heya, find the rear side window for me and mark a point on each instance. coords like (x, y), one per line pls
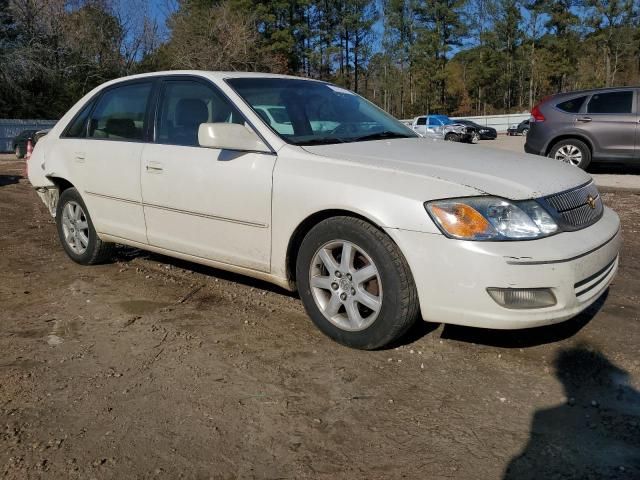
(78, 126)
(120, 113)
(185, 105)
(421, 121)
(572, 106)
(611, 102)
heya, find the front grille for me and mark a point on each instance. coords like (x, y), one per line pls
(577, 208)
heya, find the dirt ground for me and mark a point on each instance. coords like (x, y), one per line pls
(149, 367)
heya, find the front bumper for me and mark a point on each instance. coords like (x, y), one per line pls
(452, 275)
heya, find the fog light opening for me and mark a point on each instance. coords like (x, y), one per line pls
(523, 298)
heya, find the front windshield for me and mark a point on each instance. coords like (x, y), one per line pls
(446, 120)
(307, 112)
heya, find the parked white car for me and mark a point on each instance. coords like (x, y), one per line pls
(373, 225)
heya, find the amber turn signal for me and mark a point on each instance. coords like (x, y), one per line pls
(461, 221)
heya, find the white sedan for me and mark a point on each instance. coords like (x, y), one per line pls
(374, 226)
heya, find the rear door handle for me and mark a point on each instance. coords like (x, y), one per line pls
(154, 167)
(584, 119)
(79, 156)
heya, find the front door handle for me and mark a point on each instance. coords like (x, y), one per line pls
(79, 156)
(584, 119)
(154, 167)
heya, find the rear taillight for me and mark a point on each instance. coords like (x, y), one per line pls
(536, 114)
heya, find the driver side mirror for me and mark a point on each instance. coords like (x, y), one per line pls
(230, 136)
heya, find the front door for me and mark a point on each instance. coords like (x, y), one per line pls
(209, 203)
(612, 123)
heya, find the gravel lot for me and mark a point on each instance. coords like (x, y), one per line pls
(149, 367)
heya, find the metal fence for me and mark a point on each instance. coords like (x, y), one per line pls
(10, 128)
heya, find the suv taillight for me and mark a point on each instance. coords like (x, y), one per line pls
(536, 114)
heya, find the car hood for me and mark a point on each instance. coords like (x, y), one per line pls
(496, 172)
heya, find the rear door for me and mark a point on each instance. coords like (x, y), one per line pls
(105, 155)
(611, 121)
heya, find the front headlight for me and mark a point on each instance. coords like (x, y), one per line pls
(491, 218)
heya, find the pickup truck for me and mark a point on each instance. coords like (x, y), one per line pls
(441, 126)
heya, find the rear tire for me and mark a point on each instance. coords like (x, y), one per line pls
(571, 151)
(77, 234)
(366, 301)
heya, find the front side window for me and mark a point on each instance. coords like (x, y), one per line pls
(120, 113)
(305, 112)
(186, 104)
(611, 102)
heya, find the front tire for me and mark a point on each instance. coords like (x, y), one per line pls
(77, 234)
(355, 284)
(572, 151)
(452, 137)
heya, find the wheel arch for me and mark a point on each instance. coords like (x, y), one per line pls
(295, 240)
(569, 136)
(61, 183)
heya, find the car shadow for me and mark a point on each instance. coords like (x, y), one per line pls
(528, 337)
(9, 180)
(126, 254)
(614, 169)
(595, 433)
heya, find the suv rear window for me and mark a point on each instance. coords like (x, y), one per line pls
(611, 102)
(571, 106)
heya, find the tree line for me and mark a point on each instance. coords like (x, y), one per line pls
(462, 57)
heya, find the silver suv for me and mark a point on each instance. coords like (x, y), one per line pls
(591, 125)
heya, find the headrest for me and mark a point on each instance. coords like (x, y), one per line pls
(191, 112)
(121, 127)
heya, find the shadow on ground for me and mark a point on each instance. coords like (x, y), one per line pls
(127, 254)
(528, 337)
(614, 169)
(9, 179)
(595, 434)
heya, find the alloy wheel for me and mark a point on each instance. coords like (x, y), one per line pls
(346, 285)
(569, 154)
(75, 227)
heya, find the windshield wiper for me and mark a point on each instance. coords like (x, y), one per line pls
(320, 141)
(379, 136)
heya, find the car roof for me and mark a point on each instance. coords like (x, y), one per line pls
(590, 91)
(213, 75)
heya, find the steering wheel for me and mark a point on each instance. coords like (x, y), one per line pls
(348, 128)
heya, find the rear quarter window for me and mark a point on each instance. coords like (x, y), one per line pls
(572, 106)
